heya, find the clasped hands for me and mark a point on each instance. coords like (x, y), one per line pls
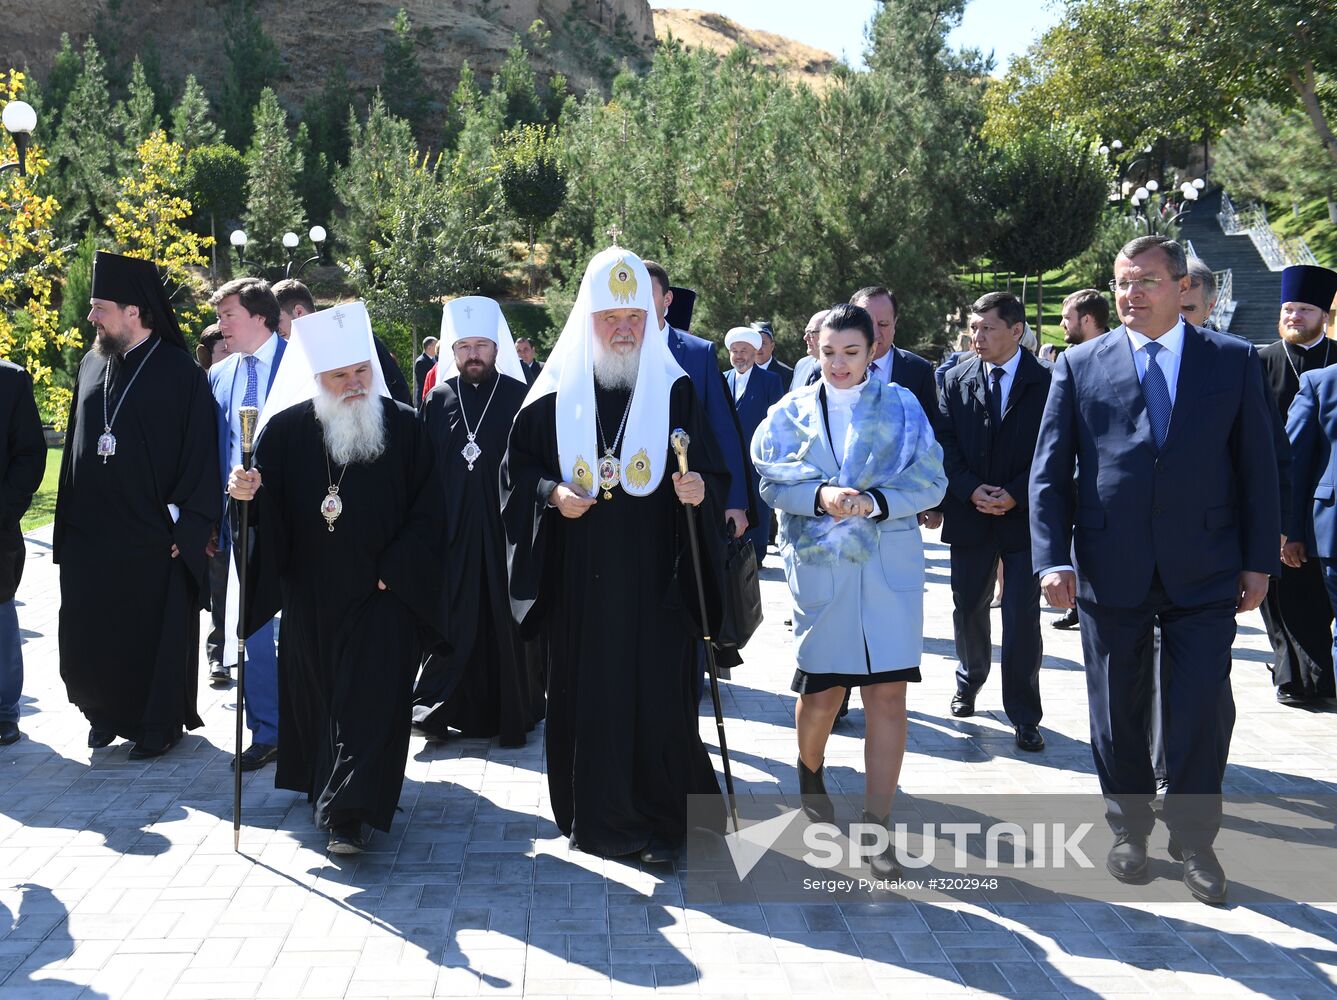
(572, 501)
(992, 499)
(844, 501)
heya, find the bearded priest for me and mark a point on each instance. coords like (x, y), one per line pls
(596, 524)
(348, 547)
(488, 684)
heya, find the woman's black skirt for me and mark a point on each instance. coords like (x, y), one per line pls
(806, 683)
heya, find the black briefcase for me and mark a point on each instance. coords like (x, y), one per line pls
(742, 595)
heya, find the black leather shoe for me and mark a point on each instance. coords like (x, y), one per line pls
(99, 738)
(1285, 697)
(1029, 738)
(963, 705)
(147, 749)
(9, 733)
(219, 675)
(257, 755)
(883, 864)
(817, 805)
(349, 838)
(1204, 876)
(1127, 859)
(1068, 621)
(658, 853)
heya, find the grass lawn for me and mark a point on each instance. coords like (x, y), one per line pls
(1312, 223)
(43, 509)
(1057, 285)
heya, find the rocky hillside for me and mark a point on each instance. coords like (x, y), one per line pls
(716, 32)
(590, 38)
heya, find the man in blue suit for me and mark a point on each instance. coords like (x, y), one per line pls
(1168, 430)
(754, 391)
(248, 316)
(1307, 294)
(697, 359)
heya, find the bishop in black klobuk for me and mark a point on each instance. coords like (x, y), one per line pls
(139, 495)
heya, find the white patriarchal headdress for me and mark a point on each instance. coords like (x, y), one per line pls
(614, 279)
(320, 342)
(477, 316)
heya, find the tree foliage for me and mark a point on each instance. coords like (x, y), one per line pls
(403, 86)
(1273, 155)
(273, 168)
(252, 66)
(85, 149)
(32, 261)
(192, 124)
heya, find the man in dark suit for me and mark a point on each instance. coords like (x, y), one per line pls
(421, 366)
(248, 316)
(754, 391)
(989, 419)
(22, 464)
(525, 348)
(698, 360)
(1297, 612)
(1176, 519)
(766, 359)
(891, 364)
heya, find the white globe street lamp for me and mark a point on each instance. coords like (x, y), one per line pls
(19, 120)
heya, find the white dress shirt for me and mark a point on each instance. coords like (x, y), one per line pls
(880, 369)
(740, 382)
(264, 366)
(1004, 386)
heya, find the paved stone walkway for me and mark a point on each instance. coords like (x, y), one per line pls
(118, 879)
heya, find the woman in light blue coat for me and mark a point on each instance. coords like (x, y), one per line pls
(849, 463)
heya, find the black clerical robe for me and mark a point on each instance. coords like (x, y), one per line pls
(129, 611)
(487, 684)
(348, 651)
(1296, 611)
(615, 598)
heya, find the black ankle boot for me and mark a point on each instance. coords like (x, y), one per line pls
(817, 805)
(883, 864)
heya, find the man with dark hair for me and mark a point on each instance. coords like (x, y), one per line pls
(1168, 430)
(139, 498)
(1198, 302)
(425, 362)
(766, 359)
(891, 364)
(295, 300)
(248, 315)
(1085, 316)
(989, 418)
(1297, 612)
(697, 358)
(22, 464)
(524, 347)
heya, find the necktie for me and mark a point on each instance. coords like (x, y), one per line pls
(252, 396)
(875, 373)
(996, 397)
(1157, 395)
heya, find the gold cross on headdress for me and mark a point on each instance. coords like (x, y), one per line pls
(614, 233)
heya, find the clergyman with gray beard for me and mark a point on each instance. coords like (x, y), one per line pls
(348, 546)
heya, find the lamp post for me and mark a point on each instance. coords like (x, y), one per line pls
(238, 241)
(317, 235)
(19, 120)
(1159, 212)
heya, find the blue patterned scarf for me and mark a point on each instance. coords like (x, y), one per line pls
(890, 444)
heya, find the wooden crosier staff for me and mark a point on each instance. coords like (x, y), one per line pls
(248, 416)
(680, 440)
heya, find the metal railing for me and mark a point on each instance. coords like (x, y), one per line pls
(1224, 307)
(1277, 253)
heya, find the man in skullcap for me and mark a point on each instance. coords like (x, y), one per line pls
(139, 497)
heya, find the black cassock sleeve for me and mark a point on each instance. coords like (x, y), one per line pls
(267, 558)
(195, 489)
(703, 456)
(527, 479)
(410, 564)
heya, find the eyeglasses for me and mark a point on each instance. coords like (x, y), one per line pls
(1126, 286)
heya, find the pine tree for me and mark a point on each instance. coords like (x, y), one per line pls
(253, 64)
(515, 88)
(465, 99)
(325, 116)
(314, 183)
(272, 169)
(85, 151)
(192, 126)
(403, 87)
(60, 82)
(381, 152)
(141, 116)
